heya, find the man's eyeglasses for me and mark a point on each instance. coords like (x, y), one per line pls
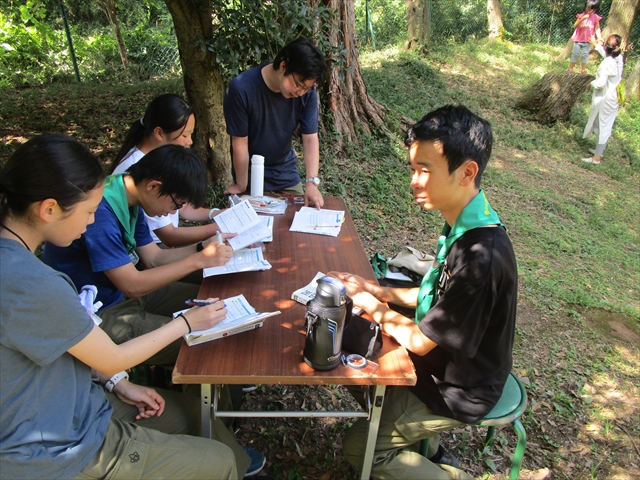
(177, 205)
(301, 86)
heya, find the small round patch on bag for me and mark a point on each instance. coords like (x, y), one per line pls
(356, 361)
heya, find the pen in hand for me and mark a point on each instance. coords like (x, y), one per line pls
(220, 239)
(199, 303)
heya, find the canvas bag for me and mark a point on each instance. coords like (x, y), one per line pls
(412, 259)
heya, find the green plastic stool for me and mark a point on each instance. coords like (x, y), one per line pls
(509, 409)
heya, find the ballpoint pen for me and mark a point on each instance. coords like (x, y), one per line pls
(199, 303)
(220, 239)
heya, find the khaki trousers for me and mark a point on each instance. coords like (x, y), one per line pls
(134, 317)
(404, 422)
(165, 447)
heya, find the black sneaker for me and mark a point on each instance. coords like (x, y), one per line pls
(445, 458)
(248, 388)
(257, 461)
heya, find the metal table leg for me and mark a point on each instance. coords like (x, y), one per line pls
(372, 435)
(205, 410)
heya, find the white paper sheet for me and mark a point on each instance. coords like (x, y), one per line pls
(243, 220)
(245, 260)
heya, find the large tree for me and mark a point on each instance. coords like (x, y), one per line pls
(620, 19)
(345, 93)
(193, 22)
(419, 23)
(494, 12)
(633, 83)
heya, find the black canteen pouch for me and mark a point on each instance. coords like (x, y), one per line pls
(362, 336)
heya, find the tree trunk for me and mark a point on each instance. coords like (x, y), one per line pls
(204, 85)
(494, 12)
(566, 52)
(553, 96)
(633, 83)
(419, 30)
(109, 8)
(344, 91)
(620, 19)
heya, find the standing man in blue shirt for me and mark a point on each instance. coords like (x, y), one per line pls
(263, 107)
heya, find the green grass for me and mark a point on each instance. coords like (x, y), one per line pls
(575, 228)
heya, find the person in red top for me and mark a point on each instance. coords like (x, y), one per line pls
(586, 27)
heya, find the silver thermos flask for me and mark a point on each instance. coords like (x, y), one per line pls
(325, 319)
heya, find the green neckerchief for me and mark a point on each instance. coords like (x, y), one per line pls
(116, 195)
(478, 213)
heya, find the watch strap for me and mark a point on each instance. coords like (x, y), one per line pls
(113, 381)
(314, 180)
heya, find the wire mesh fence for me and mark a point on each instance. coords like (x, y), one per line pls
(154, 61)
(525, 21)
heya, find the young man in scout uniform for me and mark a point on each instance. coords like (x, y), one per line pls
(461, 338)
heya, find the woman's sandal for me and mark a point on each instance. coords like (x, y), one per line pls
(590, 160)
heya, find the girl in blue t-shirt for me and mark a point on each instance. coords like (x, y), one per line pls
(57, 422)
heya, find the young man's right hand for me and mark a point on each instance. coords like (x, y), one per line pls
(215, 254)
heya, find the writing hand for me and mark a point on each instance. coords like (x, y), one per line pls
(202, 318)
(215, 254)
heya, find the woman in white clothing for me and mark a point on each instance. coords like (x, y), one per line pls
(604, 103)
(168, 119)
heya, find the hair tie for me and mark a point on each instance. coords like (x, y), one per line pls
(142, 121)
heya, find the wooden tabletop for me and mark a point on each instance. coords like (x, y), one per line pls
(273, 354)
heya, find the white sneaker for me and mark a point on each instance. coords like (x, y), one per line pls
(590, 160)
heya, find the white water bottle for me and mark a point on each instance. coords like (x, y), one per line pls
(257, 176)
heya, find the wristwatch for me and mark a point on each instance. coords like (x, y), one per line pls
(314, 180)
(113, 381)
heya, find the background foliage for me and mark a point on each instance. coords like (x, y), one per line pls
(250, 32)
(247, 32)
(525, 21)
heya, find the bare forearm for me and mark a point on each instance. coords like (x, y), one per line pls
(403, 329)
(188, 212)
(149, 280)
(181, 236)
(311, 153)
(100, 353)
(241, 161)
(404, 297)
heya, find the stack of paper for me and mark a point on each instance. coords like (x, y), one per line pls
(321, 222)
(245, 260)
(240, 317)
(268, 221)
(268, 205)
(243, 220)
(305, 294)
